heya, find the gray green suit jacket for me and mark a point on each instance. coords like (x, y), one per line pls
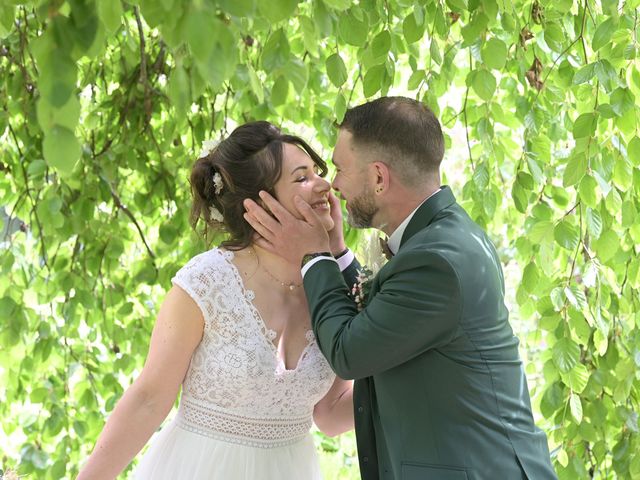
(440, 391)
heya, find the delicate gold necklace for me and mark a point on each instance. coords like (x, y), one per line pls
(291, 285)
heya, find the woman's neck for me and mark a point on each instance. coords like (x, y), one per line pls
(276, 266)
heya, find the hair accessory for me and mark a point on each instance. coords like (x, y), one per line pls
(208, 146)
(217, 183)
(215, 215)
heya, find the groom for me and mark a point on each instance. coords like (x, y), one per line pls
(440, 392)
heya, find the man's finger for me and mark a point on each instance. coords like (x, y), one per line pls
(263, 243)
(258, 226)
(281, 213)
(261, 215)
(306, 211)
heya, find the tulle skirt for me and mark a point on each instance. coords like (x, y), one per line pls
(176, 453)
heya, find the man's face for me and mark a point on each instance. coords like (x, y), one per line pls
(352, 182)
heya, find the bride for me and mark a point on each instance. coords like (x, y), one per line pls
(235, 332)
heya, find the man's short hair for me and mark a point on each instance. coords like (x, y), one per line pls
(403, 132)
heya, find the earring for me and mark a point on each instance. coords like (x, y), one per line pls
(378, 190)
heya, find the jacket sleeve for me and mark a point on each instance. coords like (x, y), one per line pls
(350, 274)
(417, 307)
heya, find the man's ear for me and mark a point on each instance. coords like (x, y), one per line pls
(381, 177)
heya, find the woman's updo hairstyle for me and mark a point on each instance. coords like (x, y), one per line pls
(247, 161)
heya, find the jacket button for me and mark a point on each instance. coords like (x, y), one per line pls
(365, 459)
(360, 409)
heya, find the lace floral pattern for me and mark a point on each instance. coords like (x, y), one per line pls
(236, 386)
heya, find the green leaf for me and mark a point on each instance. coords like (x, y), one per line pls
(276, 51)
(256, 85)
(603, 34)
(576, 407)
(411, 30)
(168, 233)
(336, 70)
(607, 245)
(594, 223)
(415, 79)
(353, 31)
(622, 100)
(339, 5)
(110, 14)
(434, 51)
(576, 169)
(566, 235)
(588, 191)
(606, 74)
(61, 149)
(473, 30)
(530, 277)
(36, 168)
(381, 45)
(458, 6)
(198, 34)
(241, 8)
(585, 125)
(526, 180)
(554, 36)
(340, 108)
(585, 74)
(277, 10)
(576, 379)
(566, 354)
(601, 342)
(373, 80)
(484, 84)
(297, 74)
(178, 90)
(279, 91)
(6, 20)
(494, 53)
(622, 174)
(520, 197)
(633, 150)
(562, 457)
(66, 116)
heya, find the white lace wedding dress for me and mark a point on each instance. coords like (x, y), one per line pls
(242, 414)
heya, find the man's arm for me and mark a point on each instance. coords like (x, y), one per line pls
(417, 308)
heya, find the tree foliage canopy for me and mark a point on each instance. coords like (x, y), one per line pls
(105, 105)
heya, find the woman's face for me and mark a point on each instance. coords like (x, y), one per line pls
(300, 177)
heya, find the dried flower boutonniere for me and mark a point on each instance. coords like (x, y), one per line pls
(361, 289)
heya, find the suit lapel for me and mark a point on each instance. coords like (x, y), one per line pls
(427, 212)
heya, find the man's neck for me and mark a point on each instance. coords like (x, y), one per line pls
(400, 205)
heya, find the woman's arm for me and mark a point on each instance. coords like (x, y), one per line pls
(333, 414)
(147, 402)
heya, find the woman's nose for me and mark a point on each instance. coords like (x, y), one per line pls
(322, 185)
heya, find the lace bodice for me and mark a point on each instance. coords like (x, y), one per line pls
(237, 388)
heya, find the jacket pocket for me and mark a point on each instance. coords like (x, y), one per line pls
(420, 471)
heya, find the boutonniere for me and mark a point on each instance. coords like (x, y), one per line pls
(362, 287)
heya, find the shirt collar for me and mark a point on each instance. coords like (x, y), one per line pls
(396, 237)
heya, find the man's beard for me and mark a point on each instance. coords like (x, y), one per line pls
(362, 209)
